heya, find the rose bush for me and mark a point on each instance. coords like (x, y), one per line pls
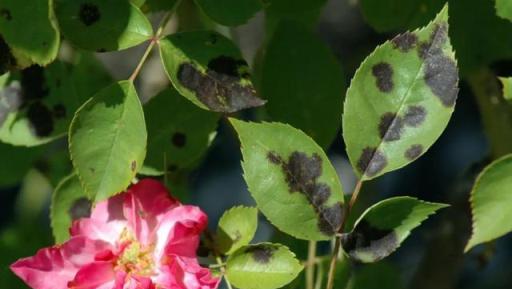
(140, 239)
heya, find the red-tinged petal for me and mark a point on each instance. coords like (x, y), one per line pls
(139, 282)
(145, 204)
(185, 273)
(98, 230)
(110, 210)
(54, 267)
(97, 275)
(181, 226)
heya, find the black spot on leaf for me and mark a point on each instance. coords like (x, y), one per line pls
(89, 14)
(7, 60)
(368, 239)
(6, 14)
(172, 168)
(228, 66)
(405, 42)
(218, 91)
(40, 118)
(179, 139)
(384, 76)
(390, 126)
(301, 174)
(81, 208)
(33, 82)
(414, 115)
(371, 162)
(414, 152)
(59, 111)
(261, 253)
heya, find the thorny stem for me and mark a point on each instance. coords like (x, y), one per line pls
(337, 245)
(310, 269)
(154, 40)
(223, 270)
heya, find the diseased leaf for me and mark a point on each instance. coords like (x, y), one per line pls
(290, 177)
(236, 229)
(230, 12)
(303, 84)
(262, 266)
(384, 226)
(507, 87)
(208, 69)
(107, 140)
(69, 203)
(28, 33)
(100, 25)
(37, 104)
(179, 133)
(504, 9)
(491, 202)
(400, 100)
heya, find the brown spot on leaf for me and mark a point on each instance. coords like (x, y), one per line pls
(414, 152)
(40, 118)
(133, 166)
(371, 162)
(33, 82)
(6, 14)
(179, 139)
(384, 76)
(390, 126)
(405, 42)
(368, 239)
(218, 91)
(414, 115)
(81, 208)
(261, 253)
(301, 174)
(89, 14)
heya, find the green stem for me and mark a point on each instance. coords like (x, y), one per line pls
(337, 244)
(310, 269)
(223, 270)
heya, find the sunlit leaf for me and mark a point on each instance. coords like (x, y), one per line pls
(28, 33)
(69, 203)
(101, 25)
(107, 140)
(179, 133)
(491, 202)
(208, 69)
(230, 12)
(262, 266)
(507, 87)
(303, 84)
(504, 9)
(290, 177)
(236, 229)
(400, 100)
(384, 226)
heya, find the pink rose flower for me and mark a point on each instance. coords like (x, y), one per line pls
(140, 239)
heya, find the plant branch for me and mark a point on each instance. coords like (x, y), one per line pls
(310, 270)
(337, 244)
(223, 270)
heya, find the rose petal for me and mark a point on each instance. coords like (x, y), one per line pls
(54, 267)
(185, 273)
(145, 204)
(98, 230)
(94, 276)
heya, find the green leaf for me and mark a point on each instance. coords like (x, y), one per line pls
(208, 69)
(491, 202)
(400, 100)
(17, 162)
(69, 203)
(384, 226)
(304, 11)
(28, 33)
(179, 133)
(303, 83)
(101, 25)
(107, 140)
(382, 275)
(504, 9)
(262, 266)
(290, 177)
(236, 229)
(507, 87)
(230, 12)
